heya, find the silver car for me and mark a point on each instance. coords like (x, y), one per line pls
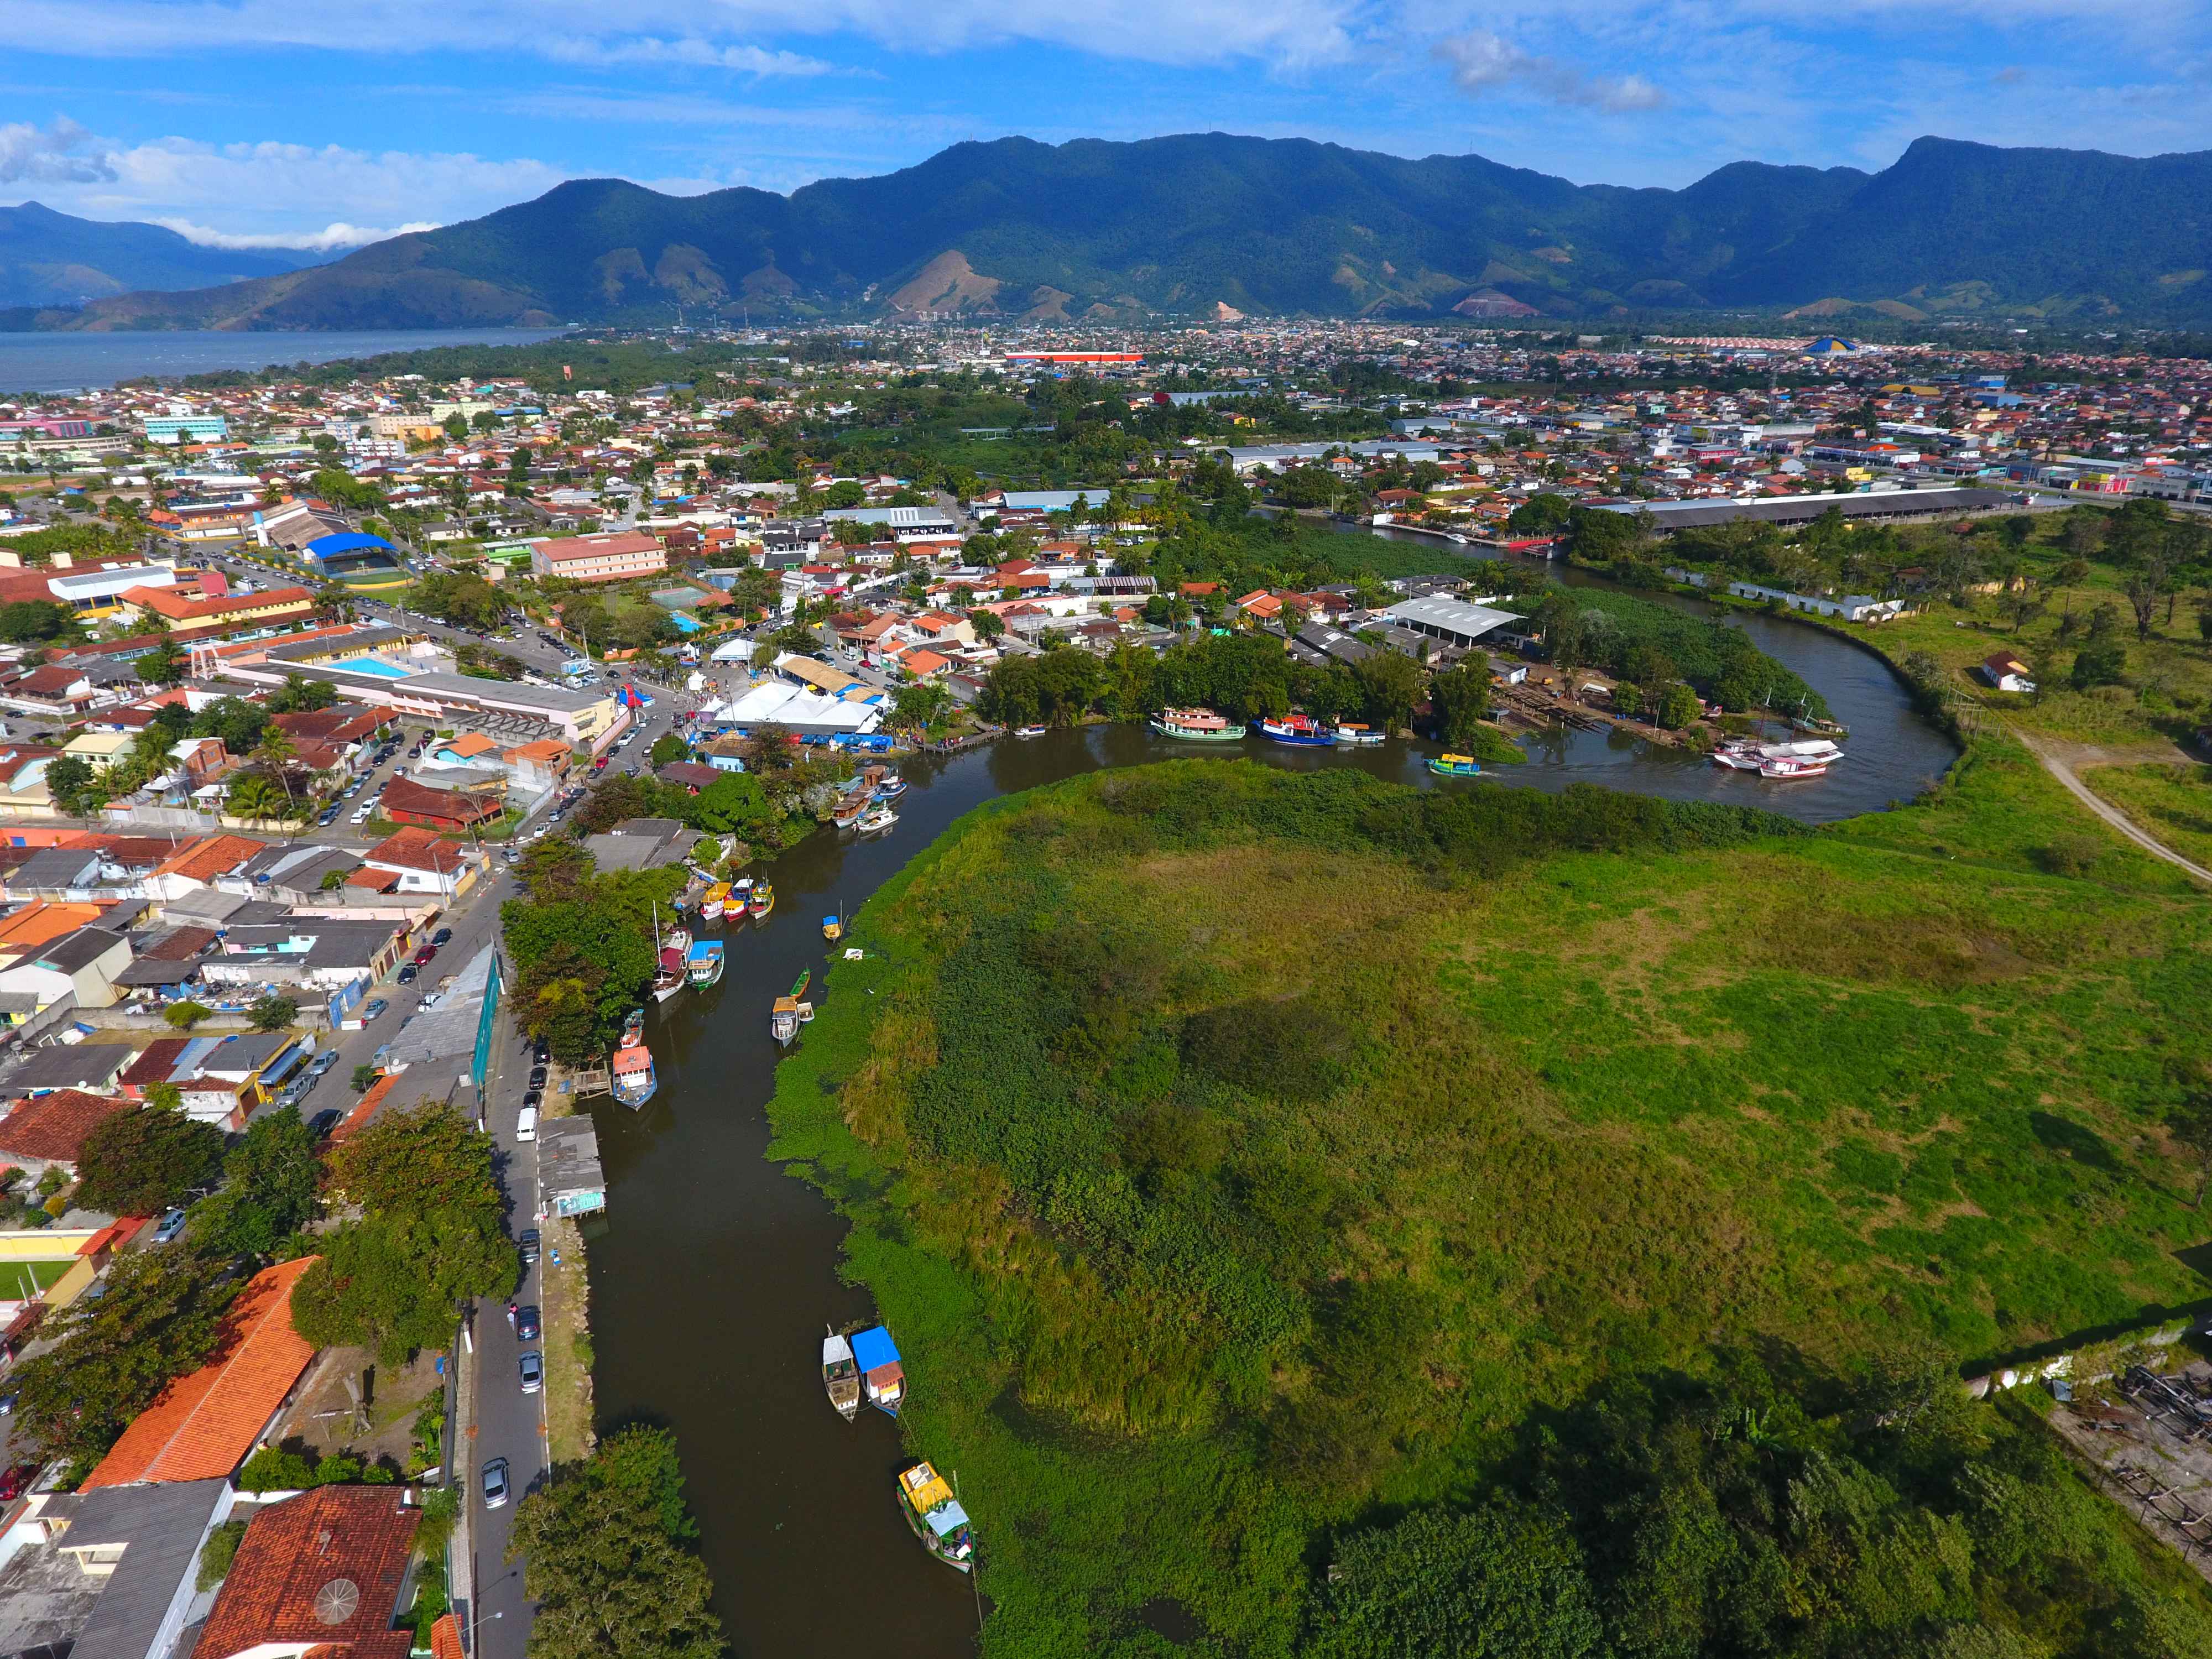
(494, 1483)
(533, 1371)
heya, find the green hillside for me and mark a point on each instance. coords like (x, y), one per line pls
(1183, 225)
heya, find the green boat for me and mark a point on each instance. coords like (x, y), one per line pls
(1195, 725)
(1455, 766)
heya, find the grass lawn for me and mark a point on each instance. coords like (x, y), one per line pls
(1233, 1165)
(16, 1277)
(2172, 802)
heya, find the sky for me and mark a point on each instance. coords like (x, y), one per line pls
(326, 124)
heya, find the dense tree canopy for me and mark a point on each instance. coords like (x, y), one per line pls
(270, 1180)
(142, 1161)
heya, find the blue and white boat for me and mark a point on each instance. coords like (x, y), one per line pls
(703, 963)
(883, 1382)
(1299, 730)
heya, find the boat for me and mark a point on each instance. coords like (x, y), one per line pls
(933, 1513)
(1196, 726)
(761, 901)
(890, 786)
(783, 1019)
(1455, 766)
(1300, 730)
(1029, 730)
(883, 1381)
(679, 939)
(1806, 758)
(668, 977)
(703, 963)
(833, 928)
(841, 1377)
(1786, 766)
(716, 900)
(634, 1079)
(633, 1031)
(1352, 734)
(876, 818)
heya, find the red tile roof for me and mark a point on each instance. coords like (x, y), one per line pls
(52, 1127)
(321, 1572)
(215, 855)
(157, 1062)
(416, 848)
(202, 1425)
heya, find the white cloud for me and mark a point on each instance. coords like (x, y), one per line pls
(722, 33)
(62, 153)
(328, 239)
(1483, 64)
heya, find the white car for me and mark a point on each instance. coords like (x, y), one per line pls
(526, 1124)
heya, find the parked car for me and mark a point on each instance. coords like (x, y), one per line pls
(407, 973)
(526, 1124)
(443, 936)
(537, 1077)
(327, 817)
(373, 1009)
(360, 814)
(425, 956)
(526, 1323)
(172, 1227)
(494, 1483)
(541, 1052)
(528, 1244)
(323, 1121)
(17, 1480)
(322, 1063)
(533, 1371)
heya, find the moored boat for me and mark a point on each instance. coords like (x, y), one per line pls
(783, 1019)
(1196, 726)
(679, 939)
(883, 1379)
(760, 902)
(1352, 734)
(876, 818)
(890, 786)
(934, 1516)
(633, 1078)
(1789, 766)
(1029, 730)
(833, 928)
(711, 906)
(668, 978)
(841, 1377)
(1455, 766)
(703, 963)
(633, 1031)
(1298, 730)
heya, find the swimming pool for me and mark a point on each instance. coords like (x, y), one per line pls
(377, 666)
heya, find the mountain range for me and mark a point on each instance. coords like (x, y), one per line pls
(1215, 226)
(49, 258)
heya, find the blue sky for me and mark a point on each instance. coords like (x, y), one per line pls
(327, 122)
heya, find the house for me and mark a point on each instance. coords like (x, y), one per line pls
(196, 865)
(406, 801)
(325, 1572)
(108, 1574)
(47, 1131)
(84, 964)
(252, 1064)
(203, 1426)
(417, 860)
(189, 615)
(2006, 672)
(92, 1067)
(688, 775)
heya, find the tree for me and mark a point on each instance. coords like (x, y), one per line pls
(142, 1161)
(1678, 707)
(1541, 514)
(2100, 662)
(667, 749)
(364, 1078)
(159, 1315)
(185, 1015)
(2146, 584)
(606, 1557)
(70, 784)
(1389, 684)
(1460, 699)
(165, 665)
(919, 705)
(270, 1182)
(988, 625)
(274, 1014)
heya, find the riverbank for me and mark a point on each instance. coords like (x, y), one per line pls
(565, 1310)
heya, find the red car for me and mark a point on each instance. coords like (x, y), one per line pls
(423, 956)
(600, 764)
(14, 1483)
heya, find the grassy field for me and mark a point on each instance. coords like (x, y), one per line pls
(1241, 1156)
(2172, 802)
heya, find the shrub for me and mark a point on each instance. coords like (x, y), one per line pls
(2070, 855)
(185, 1015)
(218, 1553)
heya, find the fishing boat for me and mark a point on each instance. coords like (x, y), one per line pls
(761, 901)
(1455, 766)
(1791, 766)
(1029, 730)
(716, 900)
(883, 1381)
(890, 786)
(833, 928)
(876, 818)
(841, 1377)
(679, 939)
(668, 977)
(1350, 734)
(633, 1031)
(934, 1516)
(783, 1019)
(1196, 726)
(1298, 730)
(703, 963)
(1809, 757)
(634, 1080)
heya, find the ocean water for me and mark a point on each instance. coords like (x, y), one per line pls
(72, 363)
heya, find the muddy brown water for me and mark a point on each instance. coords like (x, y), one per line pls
(718, 1272)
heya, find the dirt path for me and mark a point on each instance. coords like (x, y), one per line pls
(2066, 761)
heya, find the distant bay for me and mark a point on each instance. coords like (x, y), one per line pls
(75, 361)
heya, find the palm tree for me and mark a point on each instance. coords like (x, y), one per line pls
(274, 755)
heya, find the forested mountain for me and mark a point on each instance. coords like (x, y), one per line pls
(49, 258)
(1204, 224)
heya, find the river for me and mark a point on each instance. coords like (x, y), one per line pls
(81, 361)
(712, 1285)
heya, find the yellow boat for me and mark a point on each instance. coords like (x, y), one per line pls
(833, 928)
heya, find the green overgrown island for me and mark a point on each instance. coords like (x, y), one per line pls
(1386, 1221)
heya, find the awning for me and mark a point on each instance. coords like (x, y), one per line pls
(946, 1518)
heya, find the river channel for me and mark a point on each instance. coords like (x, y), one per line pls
(712, 1285)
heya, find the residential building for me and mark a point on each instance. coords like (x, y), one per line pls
(419, 860)
(611, 556)
(47, 1131)
(107, 1574)
(406, 801)
(325, 1572)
